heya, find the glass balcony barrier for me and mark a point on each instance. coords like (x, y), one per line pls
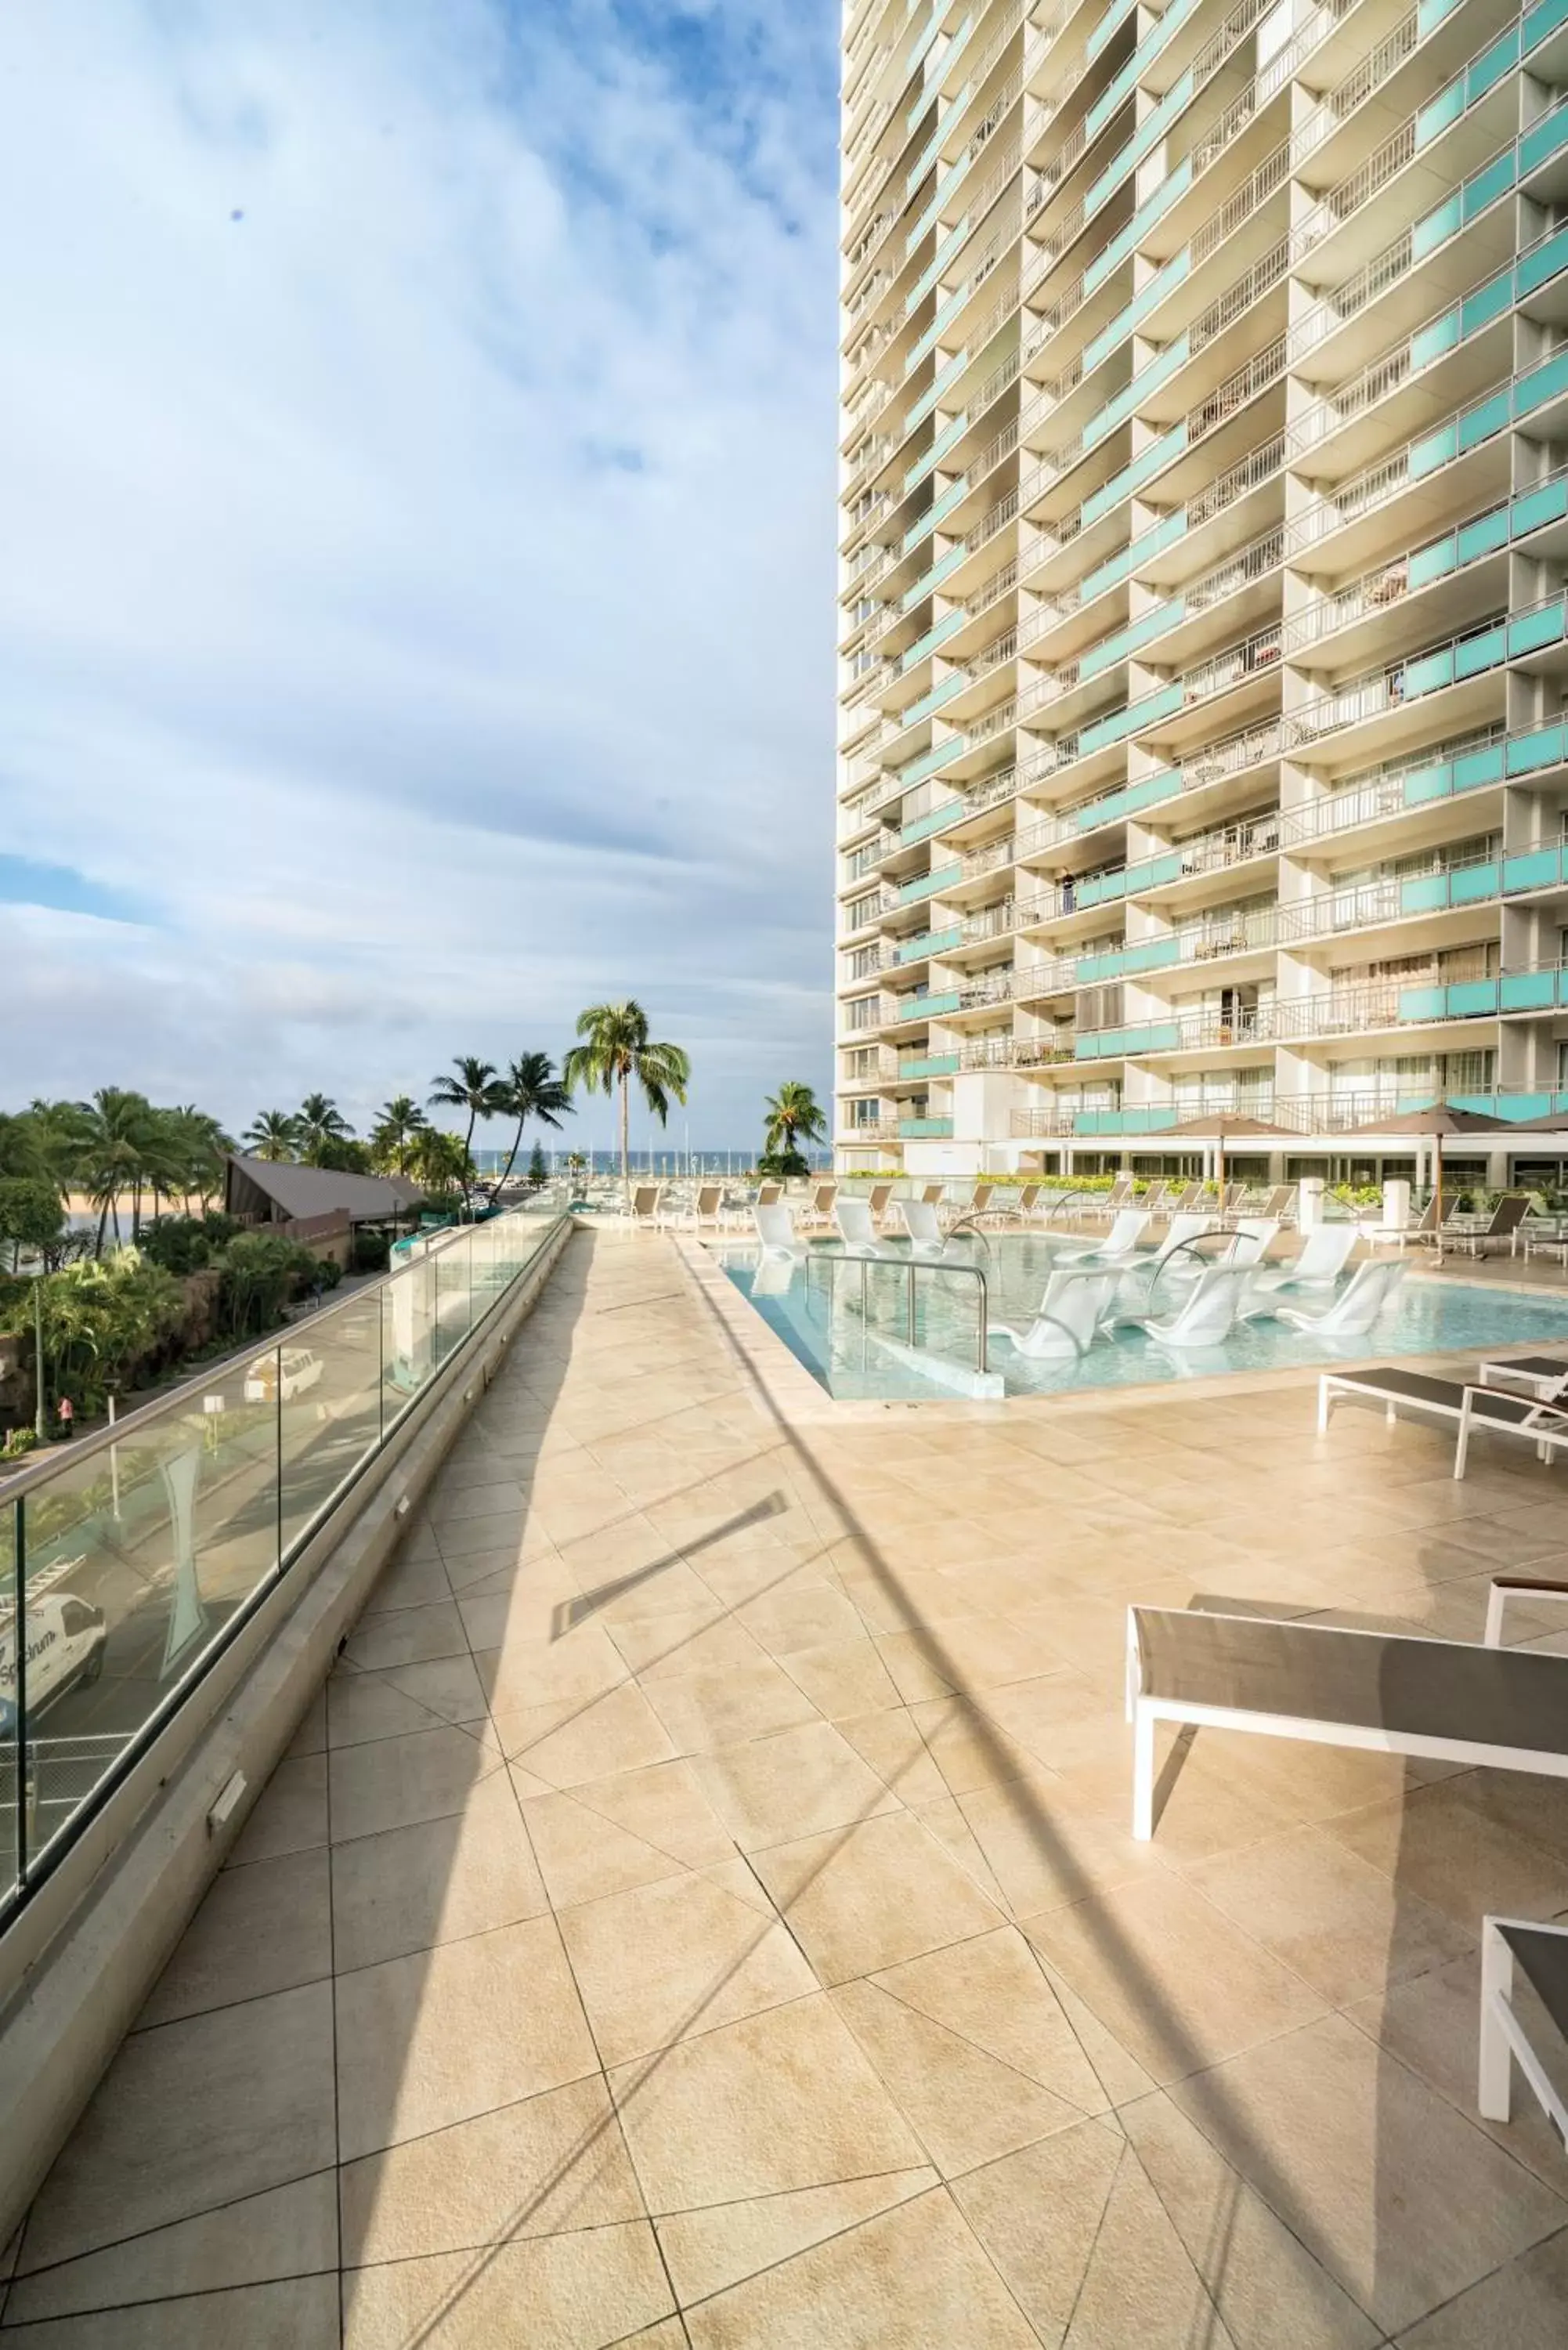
(131, 1559)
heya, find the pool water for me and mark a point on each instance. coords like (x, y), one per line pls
(849, 1326)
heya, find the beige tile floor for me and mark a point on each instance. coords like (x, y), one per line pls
(701, 1908)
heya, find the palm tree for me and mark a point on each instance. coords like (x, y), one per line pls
(618, 1048)
(532, 1090)
(273, 1134)
(113, 1156)
(438, 1161)
(794, 1115)
(399, 1123)
(319, 1122)
(475, 1089)
(201, 1147)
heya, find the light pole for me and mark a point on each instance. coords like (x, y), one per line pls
(41, 1415)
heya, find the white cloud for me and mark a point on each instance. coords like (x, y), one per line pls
(417, 590)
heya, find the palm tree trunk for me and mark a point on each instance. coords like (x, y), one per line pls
(511, 1157)
(468, 1156)
(102, 1227)
(625, 1138)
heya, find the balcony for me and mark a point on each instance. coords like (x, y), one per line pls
(925, 1129)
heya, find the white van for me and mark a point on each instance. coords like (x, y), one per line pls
(66, 1641)
(301, 1369)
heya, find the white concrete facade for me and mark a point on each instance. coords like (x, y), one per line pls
(1203, 643)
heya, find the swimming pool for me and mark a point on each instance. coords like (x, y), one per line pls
(849, 1327)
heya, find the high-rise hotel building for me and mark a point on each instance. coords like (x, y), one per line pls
(1204, 530)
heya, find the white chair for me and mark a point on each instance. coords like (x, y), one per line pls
(1370, 1289)
(706, 1208)
(1203, 1317)
(856, 1228)
(775, 1228)
(1323, 1257)
(1069, 1316)
(1120, 1245)
(1254, 1236)
(919, 1221)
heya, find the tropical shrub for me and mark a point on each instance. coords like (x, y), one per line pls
(187, 1244)
(110, 1321)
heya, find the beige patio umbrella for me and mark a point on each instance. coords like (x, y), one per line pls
(1223, 1126)
(1437, 1122)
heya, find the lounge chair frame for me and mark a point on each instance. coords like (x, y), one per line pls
(1144, 1709)
(1471, 1406)
(1504, 2040)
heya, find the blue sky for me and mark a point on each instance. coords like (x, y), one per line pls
(416, 617)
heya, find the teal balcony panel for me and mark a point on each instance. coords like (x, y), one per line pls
(1117, 410)
(1116, 805)
(1146, 712)
(1132, 478)
(1128, 320)
(1148, 1119)
(928, 1008)
(1422, 1002)
(946, 312)
(1116, 1044)
(1153, 127)
(1533, 268)
(1149, 543)
(1530, 990)
(1128, 641)
(1532, 631)
(943, 378)
(1539, 384)
(1101, 30)
(1543, 139)
(933, 577)
(1125, 239)
(935, 819)
(1101, 889)
(1541, 23)
(1472, 885)
(936, 452)
(926, 885)
(1543, 746)
(931, 1064)
(1465, 885)
(1538, 507)
(1537, 868)
(1472, 999)
(935, 266)
(925, 1129)
(1154, 872)
(1472, 656)
(932, 639)
(1121, 962)
(943, 690)
(930, 943)
(929, 761)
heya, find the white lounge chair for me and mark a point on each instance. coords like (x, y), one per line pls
(1370, 1291)
(1203, 1315)
(857, 1230)
(1394, 1693)
(1540, 1953)
(925, 1232)
(1254, 1237)
(1069, 1316)
(775, 1228)
(1322, 1258)
(1177, 1251)
(1120, 1245)
(705, 1210)
(1468, 1408)
(1546, 1376)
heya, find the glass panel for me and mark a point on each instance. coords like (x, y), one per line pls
(328, 1398)
(408, 1334)
(10, 1724)
(136, 1559)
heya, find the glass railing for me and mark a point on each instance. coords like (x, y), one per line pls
(131, 1559)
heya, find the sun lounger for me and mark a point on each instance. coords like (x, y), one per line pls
(856, 1229)
(775, 1228)
(1469, 1409)
(1506, 1218)
(924, 1230)
(1069, 1315)
(1540, 1374)
(1322, 1258)
(1120, 1245)
(1370, 1292)
(1539, 1952)
(1204, 1314)
(1394, 1693)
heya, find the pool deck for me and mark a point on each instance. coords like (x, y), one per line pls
(701, 1909)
